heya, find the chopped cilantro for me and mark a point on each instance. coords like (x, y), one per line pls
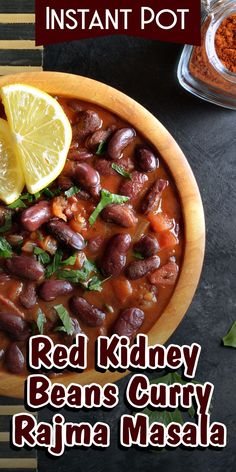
(72, 191)
(65, 319)
(7, 224)
(42, 256)
(120, 170)
(54, 266)
(5, 248)
(70, 261)
(101, 149)
(137, 255)
(41, 320)
(106, 199)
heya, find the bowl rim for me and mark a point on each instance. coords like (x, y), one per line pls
(98, 93)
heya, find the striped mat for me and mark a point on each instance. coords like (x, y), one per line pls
(17, 460)
(17, 32)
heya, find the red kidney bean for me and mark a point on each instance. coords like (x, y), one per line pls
(15, 326)
(69, 169)
(25, 267)
(64, 182)
(132, 188)
(122, 215)
(89, 314)
(51, 289)
(95, 191)
(65, 235)
(153, 196)
(146, 159)
(114, 258)
(83, 195)
(96, 138)
(128, 323)
(104, 167)
(86, 176)
(28, 296)
(165, 275)
(138, 269)
(35, 216)
(88, 121)
(69, 338)
(14, 359)
(147, 246)
(79, 154)
(119, 141)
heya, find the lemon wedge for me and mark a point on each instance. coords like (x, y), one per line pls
(11, 176)
(41, 133)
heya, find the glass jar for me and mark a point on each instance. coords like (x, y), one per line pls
(200, 70)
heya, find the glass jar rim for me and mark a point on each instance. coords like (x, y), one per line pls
(217, 18)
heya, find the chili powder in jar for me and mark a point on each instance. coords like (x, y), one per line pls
(209, 70)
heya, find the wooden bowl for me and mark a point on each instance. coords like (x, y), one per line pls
(95, 92)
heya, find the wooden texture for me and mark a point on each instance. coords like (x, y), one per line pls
(154, 131)
(13, 459)
(17, 32)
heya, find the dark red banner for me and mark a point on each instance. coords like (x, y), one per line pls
(166, 20)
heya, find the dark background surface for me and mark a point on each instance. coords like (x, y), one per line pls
(146, 70)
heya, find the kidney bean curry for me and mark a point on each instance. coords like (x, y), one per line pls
(98, 251)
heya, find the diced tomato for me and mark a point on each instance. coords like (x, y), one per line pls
(167, 239)
(122, 288)
(59, 204)
(165, 275)
(159, 221)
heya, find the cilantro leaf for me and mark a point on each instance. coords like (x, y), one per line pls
(5, 248)
(65, 319)
(49, 193)
(78, 275)
(17, 204)
(54, 266)
(42, 256)
(72, 191)
(70, 261)
(101, 149)
(120, 170)
(95, 284)
(41, 320)
(230, 338)
(106, 199)
(7, 223)
(73, 275)
(137, 255)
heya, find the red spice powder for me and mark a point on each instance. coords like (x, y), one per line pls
(225, 43)
(199, 64)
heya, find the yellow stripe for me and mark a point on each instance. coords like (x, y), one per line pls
(17, 18)
(18, 44)
(18, 463)
(4, 437)
(15, 69)
(13, 409)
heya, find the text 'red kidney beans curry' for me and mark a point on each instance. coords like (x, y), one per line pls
(99, 251)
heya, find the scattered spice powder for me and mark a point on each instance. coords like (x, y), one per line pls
(225, 42)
